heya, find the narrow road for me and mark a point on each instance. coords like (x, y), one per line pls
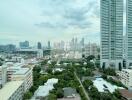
(86, 94)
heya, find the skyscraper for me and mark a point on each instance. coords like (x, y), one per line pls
(39, 45)
(24, 45)
(129, 33)
(111, 33)
(49, 47)
(82, 43)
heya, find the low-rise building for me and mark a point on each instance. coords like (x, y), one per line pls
(13, 90)
(125, 77)
(42, 92)
(70, 94)
(126, 94)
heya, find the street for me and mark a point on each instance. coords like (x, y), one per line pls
(86, 94)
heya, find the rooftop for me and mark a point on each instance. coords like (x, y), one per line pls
(126, 93)
(103, 85)
(9, 88)
(43, 91)
(22, 71)
(69, 92)
(75, 98)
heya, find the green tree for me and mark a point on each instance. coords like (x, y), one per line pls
(117, 94)
(37, 69)
(91, 57)
(94, 94)
(60, 93)
(27, 95)
(44, 62)
(104, 76)
(53, 63)
(52, 96)
(106, 96)
(33, 89)
(109, 71)
(87, 83)
(44, 78)
(88, 72)
(49, 70)
(81, 92)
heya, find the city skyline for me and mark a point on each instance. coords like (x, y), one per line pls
(49, 20)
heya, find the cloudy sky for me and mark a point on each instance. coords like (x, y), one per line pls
(43, 20)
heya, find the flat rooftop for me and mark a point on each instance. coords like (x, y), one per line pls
(101, 85)
(21, 71)
(43, 91)
(9, 88)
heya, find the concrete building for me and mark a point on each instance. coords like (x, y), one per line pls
(129, 32)
(124, 47)
(8, 48)
(24, 45)
(42, 92)
(16, 72)
(12, 91)
(91, 49)
(111, 33)
(39, 46)
(126, 77)
(17, 59)
(49, 45)
(125, 94)
(24, 74)
(3, 76)
(40, 53)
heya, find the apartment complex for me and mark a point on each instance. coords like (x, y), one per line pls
(12, 91)
(126, 77)
(111, 33)
(91, 49)
(24, 74)
(15, 72)
(129, 32)
(3, 74)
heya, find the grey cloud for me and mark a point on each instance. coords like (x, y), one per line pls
(82, 25)
(72, 16)
(50, 25)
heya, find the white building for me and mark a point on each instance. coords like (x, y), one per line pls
(43, 91)
(18, 59)
(24, 74)
(104, 86)
(111, 33)
(12, 91)
(126, 77)
(91, 49)
(129, 32)
(16, 72)
(39, 53)
(3, 76)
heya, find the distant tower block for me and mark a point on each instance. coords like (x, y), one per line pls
(40, 53)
